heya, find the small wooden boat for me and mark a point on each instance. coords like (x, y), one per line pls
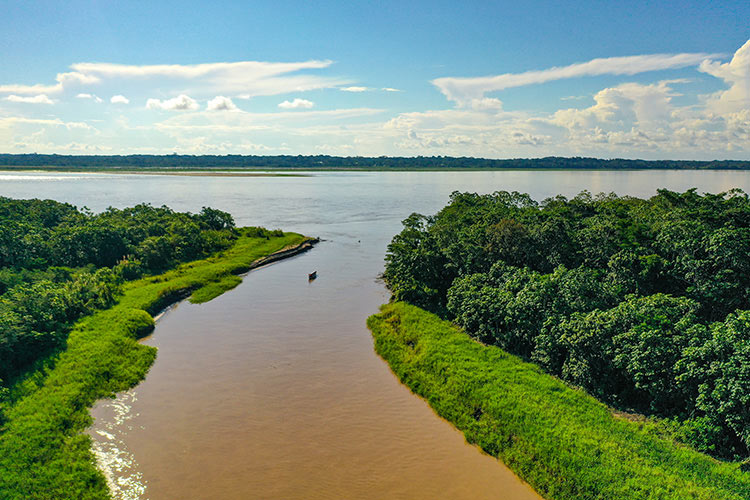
(312, 275)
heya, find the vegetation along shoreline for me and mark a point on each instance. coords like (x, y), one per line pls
(641, 305)
(563, 442)
(45, 406)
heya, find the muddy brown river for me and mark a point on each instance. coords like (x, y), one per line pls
(273, 390)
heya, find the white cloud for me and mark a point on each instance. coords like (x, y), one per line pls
(221, 103)
(188, 71)
(627, 119)
(462, 90)
(179, 103)
(89, 96)
(11, 121)
(249, 78)
(736, 73)
(37, 99)
(625, 105)
(119, 99)
(206, 122)
(63, 80)
(367, 89)
(573, 97)
(297, 103)
(486, 104)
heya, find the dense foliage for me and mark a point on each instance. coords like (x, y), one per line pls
(643, 303)
(357, 162)
(58, 263)
(562, 441)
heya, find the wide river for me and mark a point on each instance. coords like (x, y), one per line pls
(273, 390)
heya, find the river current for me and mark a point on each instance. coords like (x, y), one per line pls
(273, 390)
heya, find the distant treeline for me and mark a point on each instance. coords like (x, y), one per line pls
(340, 162)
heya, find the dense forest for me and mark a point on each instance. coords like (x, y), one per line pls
(59, 263)
(175, 161)
(645, 304)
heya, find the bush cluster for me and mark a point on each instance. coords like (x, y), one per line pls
(58, 263)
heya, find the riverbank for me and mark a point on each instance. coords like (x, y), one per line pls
(560, 440)
(43, 452)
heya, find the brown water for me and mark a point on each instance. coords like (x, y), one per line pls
(273, 391)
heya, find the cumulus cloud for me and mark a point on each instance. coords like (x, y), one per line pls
(736, 73)
(391, 89)
(626, 104)
(486, 104)
(37, 99)
(179, 103)
(297, 103)
(628, 119)
(221, 103)
(119, 99)
(462, 90)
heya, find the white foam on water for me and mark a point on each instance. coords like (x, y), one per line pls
(11, 177)
(113, 458)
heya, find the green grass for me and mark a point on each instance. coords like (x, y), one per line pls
(214, 289)
(563, 442)
(43, 453)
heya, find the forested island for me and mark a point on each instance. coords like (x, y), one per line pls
(77, 290)
(325, 162)
(642, 304)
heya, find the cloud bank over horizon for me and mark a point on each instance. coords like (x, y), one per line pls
(641, 110)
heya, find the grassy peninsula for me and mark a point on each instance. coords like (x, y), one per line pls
(71, 340)
(566, 444)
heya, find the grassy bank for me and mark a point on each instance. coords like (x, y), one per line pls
(563, 442)
(43, 453)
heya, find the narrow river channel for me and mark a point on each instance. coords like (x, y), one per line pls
(273, 390)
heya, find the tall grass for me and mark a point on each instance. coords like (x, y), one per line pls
(563, 442)
(43, 453)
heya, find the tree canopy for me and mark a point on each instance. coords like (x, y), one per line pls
(59, 263)
(643, 303)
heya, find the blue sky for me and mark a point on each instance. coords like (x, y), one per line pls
(491, 79)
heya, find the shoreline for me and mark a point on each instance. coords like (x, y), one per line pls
(44, 449)
(563, 442)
